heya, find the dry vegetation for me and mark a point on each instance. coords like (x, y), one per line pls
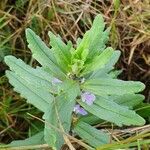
(130, 33)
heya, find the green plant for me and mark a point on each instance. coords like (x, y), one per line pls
(75, 88)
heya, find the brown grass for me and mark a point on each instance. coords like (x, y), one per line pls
(130, 33)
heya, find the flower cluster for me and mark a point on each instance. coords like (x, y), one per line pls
(79, 110)
(86, 97)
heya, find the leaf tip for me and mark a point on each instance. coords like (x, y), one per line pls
(141, 86)
(50, 33)
(141, 121)
(99, 17)
(8, 58)
(28, 32)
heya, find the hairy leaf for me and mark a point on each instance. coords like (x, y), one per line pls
(91, 119)
(112, 112)
(99, 61)
(37, 77)
(108, 67)
(104, 86)
(61, 51)
(91, 135)
(94, 40)
(41, 99)
(130, 100)
(36, 139)
(43, 54)
(70, 89)
(59, 115)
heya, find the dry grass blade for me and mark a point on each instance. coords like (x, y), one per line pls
(70, 19)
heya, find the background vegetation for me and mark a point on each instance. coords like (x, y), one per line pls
(130, 33)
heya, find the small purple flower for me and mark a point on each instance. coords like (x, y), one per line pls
(79, 110)
(88, 98)
(56, 81)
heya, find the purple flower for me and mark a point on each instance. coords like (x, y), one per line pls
(56, 81)
(88, 98)
(79, 110)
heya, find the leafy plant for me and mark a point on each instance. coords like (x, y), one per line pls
(75, 87)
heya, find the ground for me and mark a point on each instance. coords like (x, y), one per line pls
(130, 33)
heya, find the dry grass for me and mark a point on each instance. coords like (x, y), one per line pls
(130, 32)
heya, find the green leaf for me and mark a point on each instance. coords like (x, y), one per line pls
(93, 40)
(43, 54)
(113, 60)
(36, 139)
(129, 100)
(110, 111)
(91, 119)
(108, 67)
(41, 99)
(114, 73)
(143, 110)
(83, 46)
(21, 76)
(37, 77)
(97, 44)
(99, 61)
(59, 115)
(93, 43)
(91, 135)
(61, 51)
(70, 89)
(106, 86)
(78, 41)
(77, 66)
